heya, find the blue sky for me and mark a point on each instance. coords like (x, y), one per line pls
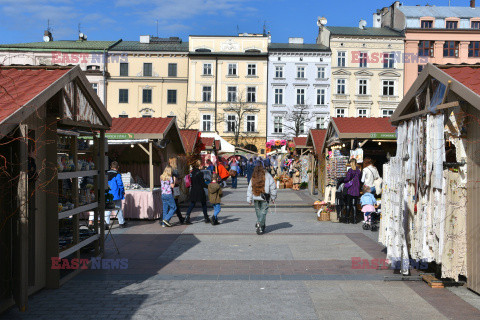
(25, 20)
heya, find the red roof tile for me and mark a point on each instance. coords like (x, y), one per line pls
(189, 137)
(208, 142)
(19, 86)
(217, 145)
(318, 136)
(364, 125)
(470, 77)
(140, 125)
(300, 141)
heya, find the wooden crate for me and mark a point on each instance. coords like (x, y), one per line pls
(432, 281)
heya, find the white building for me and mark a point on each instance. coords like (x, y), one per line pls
(298, 83)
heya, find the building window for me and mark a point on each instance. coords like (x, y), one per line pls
(278, 124)
(146, 116)
(362, 87)
(206, 122)
(231, 122)
(451, 24)
(232, 69)
(362, 113)
(427, 24)
(147, 96)
(278, 96)
(172, 69)
(207, 69)
(147, 69)
(300, 96)
(231, 94)
(341, 86)
(342, 57)
(420, 68)
(388, 87)
(251, 94)
(278, 72)
(95, 87)
(171, 96)
(251, 123)
(320, 73)
(252, 70)
(389, 60)
(320, 123)
(425, 48)
(320, 96)
(363, 59)
(301, 72)
(123, 116)
(450, 49)
(474, 49)
(122, 95)
(387, 113)
(340, 113)
(475, 25)
(123, 69)
(207, 94)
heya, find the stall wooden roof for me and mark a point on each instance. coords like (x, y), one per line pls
(463, 80)
(189, 138)
(316, 138)
(24, 89)
(300, 142)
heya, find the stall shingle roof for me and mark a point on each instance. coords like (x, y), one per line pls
(300, 141)
(318, 137)
(19, 86)
(140, 125)
(364, 125)
(207, 141)
(468, 76)
(189, 137)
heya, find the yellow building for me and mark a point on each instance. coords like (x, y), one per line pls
(367, 70)
(149, 79)
(227, 91)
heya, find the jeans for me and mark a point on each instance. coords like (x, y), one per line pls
(261, 209)
(234, 182)
(118, 206)
(169, 206)
(216, 209)
(192, 205)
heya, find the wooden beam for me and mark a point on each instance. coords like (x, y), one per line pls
(420, 113)
(447, 90)
(101, 189)
(363, 143)
(144, 149)
(150, 163)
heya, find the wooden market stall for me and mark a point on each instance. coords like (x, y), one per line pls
(43, 111)
(315, 140)
(438, 162)
(143, 148)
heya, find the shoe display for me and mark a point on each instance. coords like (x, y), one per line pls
(165, 222)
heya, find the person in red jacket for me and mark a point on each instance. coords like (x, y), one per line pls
(223, 173)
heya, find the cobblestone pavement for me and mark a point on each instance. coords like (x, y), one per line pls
(300, 269)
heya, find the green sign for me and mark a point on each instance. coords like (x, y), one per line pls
(114, 136)
(384, 135)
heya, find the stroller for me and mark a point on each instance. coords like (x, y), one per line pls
(373, 219)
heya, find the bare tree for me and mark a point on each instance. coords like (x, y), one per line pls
(186, 120)
(235, 117)
(297, 119)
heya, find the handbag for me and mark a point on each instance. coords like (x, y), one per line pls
(188, 181)
(176, 191)
(265, 196)
(233, 173)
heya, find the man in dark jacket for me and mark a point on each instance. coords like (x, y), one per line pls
(118, 192)
(197, 192)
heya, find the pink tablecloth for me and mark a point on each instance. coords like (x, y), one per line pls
(141, 204)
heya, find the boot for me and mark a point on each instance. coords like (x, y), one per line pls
(181, 219)
(187, 220)
(207, 219)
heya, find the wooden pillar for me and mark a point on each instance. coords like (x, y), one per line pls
(101, 189)
(150, 163)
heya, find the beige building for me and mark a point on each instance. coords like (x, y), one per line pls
(227, 91)
(367, 70)
(151, 79)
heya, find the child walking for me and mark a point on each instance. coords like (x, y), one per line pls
(368, 202)
(215, 194)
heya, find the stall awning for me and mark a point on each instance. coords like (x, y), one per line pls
(225, 147)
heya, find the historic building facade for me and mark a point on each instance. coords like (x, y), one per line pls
(367, 70)
(298, 88)
(227, 87)
(151, 81)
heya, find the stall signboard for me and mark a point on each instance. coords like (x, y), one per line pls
(115, 136)
(383, 135)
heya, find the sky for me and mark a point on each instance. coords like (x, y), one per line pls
(26, 20)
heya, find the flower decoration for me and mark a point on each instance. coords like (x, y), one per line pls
(283, 142)
(277, 143)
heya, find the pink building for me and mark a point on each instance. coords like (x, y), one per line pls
(439, 35)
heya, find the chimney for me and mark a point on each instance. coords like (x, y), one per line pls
(472, 3)
(295, 40)
(377, 19)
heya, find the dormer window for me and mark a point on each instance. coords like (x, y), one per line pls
(203, 50)
(451, 25)
(252, 51)
(475, 25)
(427, 24)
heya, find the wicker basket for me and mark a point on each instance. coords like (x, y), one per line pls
(324, 216)
(289, 184)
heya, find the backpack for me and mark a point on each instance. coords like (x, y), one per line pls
(188, 181)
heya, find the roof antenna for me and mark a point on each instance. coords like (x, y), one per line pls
(48, 25)
(157, 28)
(238, 30)
(265, 27)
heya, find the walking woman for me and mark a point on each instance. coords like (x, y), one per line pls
(262, 189)
(369, 175)
(176, 182)
(352, 184)
(168, 201)
(197, 192)
(234, 172)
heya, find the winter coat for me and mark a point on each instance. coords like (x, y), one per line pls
(369, 175)
(215, 192)
(368, 199)
(222, 172)
(270, 187)
(352, 182)
(197, 192)
(250, 168)
(116, 185)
